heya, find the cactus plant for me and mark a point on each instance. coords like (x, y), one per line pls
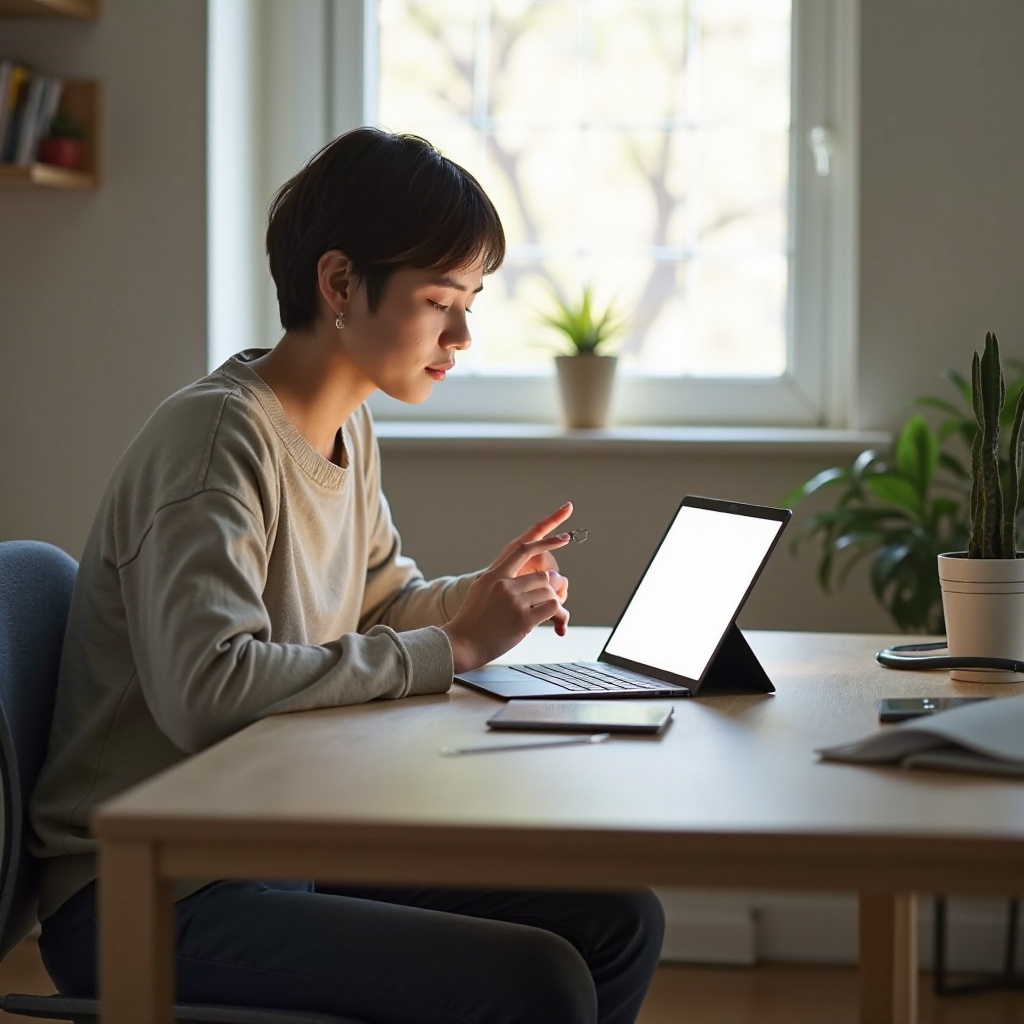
(993, 512)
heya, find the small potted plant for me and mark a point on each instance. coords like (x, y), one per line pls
(585, 375)
(63, 144)
(983, 587)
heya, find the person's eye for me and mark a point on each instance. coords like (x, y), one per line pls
(438, 306)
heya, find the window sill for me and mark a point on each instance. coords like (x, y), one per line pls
(409, 436)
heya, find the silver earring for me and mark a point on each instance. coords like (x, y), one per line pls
(339, 321)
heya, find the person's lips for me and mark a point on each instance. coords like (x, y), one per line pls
(438, 372)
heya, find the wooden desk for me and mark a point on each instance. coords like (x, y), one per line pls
(731, 796)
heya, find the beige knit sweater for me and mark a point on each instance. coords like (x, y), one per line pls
(231, 573)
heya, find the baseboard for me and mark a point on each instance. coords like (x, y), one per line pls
(746, 928)
(708, 928)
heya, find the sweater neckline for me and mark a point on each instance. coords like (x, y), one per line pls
(312, 463)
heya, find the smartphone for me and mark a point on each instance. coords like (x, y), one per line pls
(898, 709)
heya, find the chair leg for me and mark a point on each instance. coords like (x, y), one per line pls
(1012, 922)
(939, 974)
(1008, 978)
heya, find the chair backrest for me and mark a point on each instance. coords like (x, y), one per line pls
(36, 581)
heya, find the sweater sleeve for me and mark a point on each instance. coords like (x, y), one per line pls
(396, 593)
(207, 661)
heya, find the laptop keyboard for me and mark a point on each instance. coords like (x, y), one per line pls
(583, 675)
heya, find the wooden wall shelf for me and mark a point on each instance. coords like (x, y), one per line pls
(46, 176)
(81, 102)
(85, 10)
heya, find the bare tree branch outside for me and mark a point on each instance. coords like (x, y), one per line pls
(641, 146)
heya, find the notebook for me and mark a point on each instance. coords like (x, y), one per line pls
(984, 738)
(677, 634)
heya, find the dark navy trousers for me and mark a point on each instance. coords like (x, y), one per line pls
(395, 956)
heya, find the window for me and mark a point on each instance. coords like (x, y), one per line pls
(660, 151)
(642, 148)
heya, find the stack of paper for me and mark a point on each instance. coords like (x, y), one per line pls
(987, 737)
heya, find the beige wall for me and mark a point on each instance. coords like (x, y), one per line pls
(456, 513)
(102, 294)
(102, 299)
(942, 192)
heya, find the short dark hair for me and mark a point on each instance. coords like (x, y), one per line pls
(388, 202)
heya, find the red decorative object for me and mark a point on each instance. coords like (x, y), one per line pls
(61, 153)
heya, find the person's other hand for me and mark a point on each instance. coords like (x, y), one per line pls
(508, 599)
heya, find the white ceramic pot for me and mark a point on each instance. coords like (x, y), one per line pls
(983, 605)
(585, 383)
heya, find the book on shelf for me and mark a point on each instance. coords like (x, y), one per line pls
(31, 102)
(26, 118)
(14, 74)
(49, 100)
(6, 74)
(985, 738)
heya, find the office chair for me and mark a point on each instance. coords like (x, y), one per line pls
(36, 580)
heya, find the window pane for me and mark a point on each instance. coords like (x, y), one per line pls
(641, 147)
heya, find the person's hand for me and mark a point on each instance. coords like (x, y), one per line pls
(507, 601)
(544, 561)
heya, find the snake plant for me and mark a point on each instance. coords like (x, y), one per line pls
(901, 508)
(993, 510)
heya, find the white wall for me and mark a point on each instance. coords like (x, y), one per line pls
(103, 298)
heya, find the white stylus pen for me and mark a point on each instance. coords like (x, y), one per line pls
(599, 737)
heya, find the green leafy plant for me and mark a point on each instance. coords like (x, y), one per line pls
(904, 507)
(581, 325)
(64, 127)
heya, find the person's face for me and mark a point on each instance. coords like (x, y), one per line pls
(411, 341)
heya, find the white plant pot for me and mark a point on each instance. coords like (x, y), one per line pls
(983, 605)
(586, 383)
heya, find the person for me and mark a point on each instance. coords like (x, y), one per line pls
(243, 562)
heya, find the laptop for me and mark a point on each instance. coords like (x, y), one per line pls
(677, 635)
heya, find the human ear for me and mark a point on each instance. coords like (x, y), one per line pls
(335, 278)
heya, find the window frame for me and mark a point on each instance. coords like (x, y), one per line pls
(333, 47)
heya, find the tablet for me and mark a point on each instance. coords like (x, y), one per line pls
(583, 715)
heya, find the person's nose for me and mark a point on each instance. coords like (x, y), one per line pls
(456, 334)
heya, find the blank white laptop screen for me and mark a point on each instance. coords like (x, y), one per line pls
(692, 589)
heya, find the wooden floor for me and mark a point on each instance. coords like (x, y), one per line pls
(789, 994)
(769, 994)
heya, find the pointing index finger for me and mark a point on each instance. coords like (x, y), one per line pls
(548, 523)
(524, 550)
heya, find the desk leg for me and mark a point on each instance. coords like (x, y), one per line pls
(888, 958)
(136, 936)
